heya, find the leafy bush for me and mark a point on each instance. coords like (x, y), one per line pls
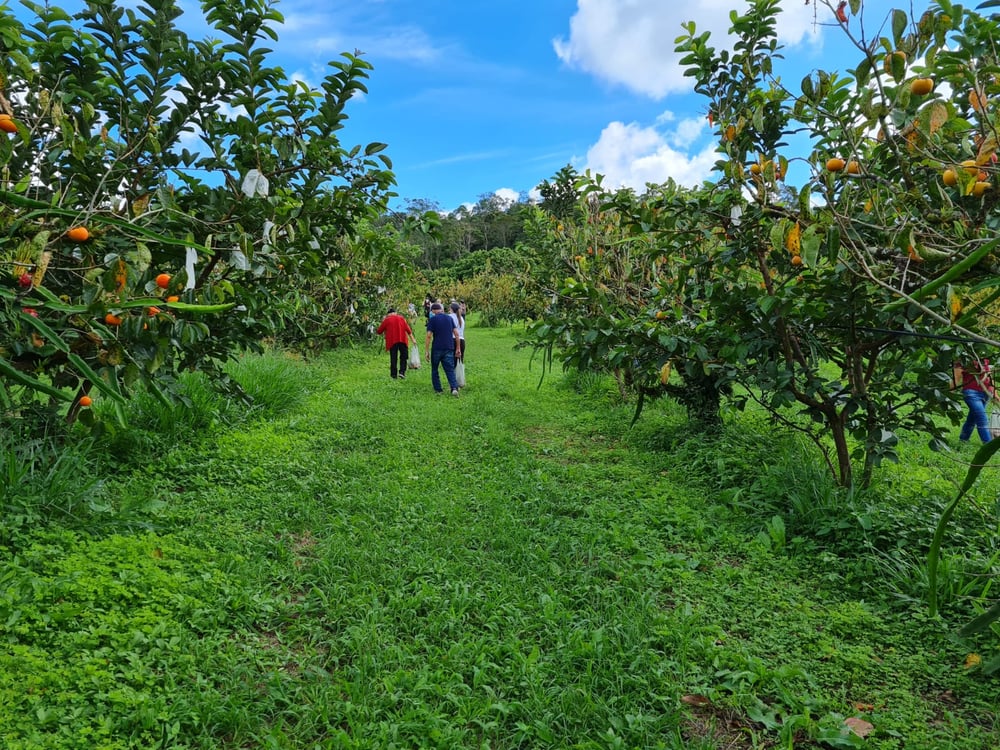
(42, 480)
(274, 382)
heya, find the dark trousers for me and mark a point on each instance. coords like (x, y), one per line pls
(398, 354)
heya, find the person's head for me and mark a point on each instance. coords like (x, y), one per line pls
(436, 307)
(455, 307)
(392, 310)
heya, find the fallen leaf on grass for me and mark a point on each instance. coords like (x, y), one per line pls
(696, 700)
(973, 660)
(860, 727)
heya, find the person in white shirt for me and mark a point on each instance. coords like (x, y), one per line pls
(459, 318)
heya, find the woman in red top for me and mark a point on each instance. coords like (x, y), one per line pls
(977, 391)
(397, 333)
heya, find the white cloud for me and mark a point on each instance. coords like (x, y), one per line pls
(631, 42)
(630, 155)
(507, 195)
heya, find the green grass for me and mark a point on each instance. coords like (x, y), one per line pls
(367, 565)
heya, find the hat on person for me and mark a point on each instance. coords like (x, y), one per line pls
(436, 306)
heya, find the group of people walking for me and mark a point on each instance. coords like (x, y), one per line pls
(444, 348)
(444, 344)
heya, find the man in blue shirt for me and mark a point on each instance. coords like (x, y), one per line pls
(441, 347)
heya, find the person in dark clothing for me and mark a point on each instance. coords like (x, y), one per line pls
(442, 347)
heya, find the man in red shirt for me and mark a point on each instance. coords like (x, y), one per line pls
(397, 334)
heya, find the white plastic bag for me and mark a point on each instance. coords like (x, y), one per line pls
(414, 358)
(460, 374)
(995, 421)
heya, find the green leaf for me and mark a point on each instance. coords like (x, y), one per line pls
(99, 382)
(11, 372)
(810, 244)
(863, 72)
(43, 328)
(807, 87)
(982, 623)
(777, 234)
(899, 22)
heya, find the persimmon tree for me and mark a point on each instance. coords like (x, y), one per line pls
(617, 253)
(193, 158)
(842, 300)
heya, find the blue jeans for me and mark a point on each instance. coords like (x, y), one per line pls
(445, 358)
(977, 419)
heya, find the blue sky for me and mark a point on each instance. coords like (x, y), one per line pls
(478, 98)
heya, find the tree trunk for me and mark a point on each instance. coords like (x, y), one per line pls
(845, 471)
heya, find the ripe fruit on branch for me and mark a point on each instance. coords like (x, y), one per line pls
(152, 311)
(86, 401)
(922, 86)
(163, 280)
(78, 234)
(835, 164)
(173, 298)
(7, 124)
(24, 280)
(979, 188)
(112, 320)
(949, 177)
(893, 56)
(853, 167)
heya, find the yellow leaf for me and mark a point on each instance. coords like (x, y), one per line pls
(665, 373)
(793, 242)
(937, 117)
(973, 660)
(987, 148)
(121, 275)
(140, 204)
(956, 306)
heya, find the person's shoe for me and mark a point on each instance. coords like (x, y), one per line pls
(454, 391)
(438, 393)
(402, 377)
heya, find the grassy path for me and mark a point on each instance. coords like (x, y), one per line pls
(515, 568)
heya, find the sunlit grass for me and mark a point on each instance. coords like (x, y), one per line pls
(373, 566)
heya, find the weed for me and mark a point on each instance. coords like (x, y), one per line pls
(41, 482)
